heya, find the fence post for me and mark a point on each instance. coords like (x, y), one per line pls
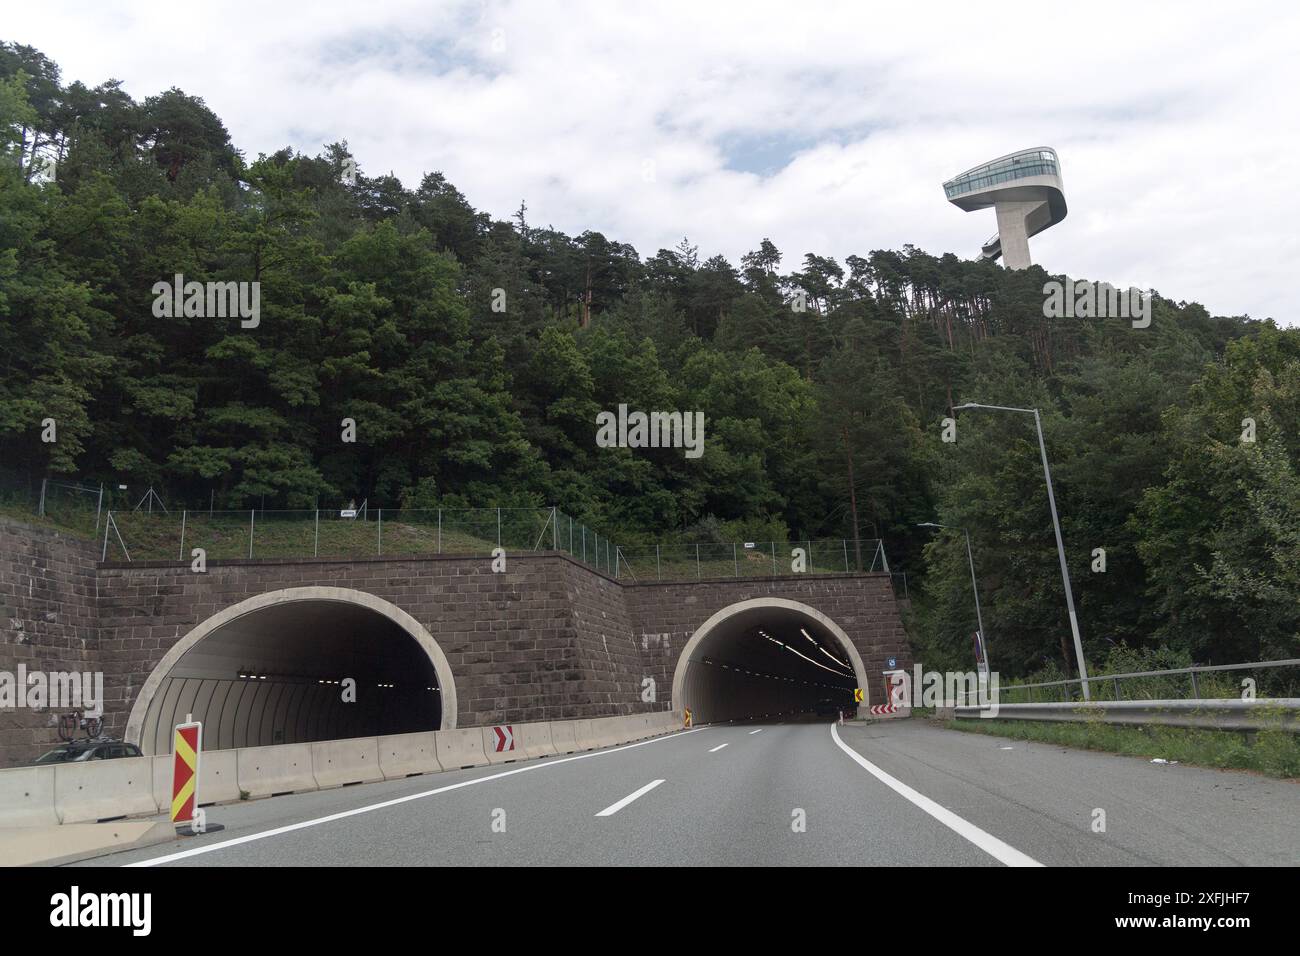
(1196, 691)
(735, 562)
(315, 547)
(810, 559)
(845, 542)
(40, 508)
(381, 532)
(1116, 682)
(773, 559)
(498, 527)
(658, 575)
(99, 505)
(555, 528)
(251, 513)
(104, 556)
(584, 544)
(440, 531)
(184, 514)
(697, 562)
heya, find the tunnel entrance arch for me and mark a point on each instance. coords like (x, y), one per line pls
(216, 661)
(766, 657)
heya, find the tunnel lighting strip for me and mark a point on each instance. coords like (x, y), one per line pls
(822, 648)
(805, 656)
(778, 677)
(287, 678)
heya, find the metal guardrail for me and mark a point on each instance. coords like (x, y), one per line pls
(1281, 713)
(1114, 679)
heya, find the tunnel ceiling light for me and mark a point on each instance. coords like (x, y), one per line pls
(821, 647)
(815, 663)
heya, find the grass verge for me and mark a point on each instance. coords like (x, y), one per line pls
(1275, 753)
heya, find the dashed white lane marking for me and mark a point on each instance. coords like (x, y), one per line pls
(252, 837)
(759, 731)
(613, 808)
(717, 748)
(1002, 852)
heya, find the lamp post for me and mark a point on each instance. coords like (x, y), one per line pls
(1056, 524)
(970, 558)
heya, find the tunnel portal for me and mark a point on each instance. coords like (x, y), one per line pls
(278, 675)
(767, 658)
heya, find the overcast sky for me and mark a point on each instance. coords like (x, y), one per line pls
(828, 128)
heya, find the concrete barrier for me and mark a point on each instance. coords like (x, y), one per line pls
(337, 763)
(54, 845)
(535, 739)
(641, 726)
(280, 768)
(608, 731)
(103, 789)
(218, 779)
(564, 736)
(667, 722)
(458, 749)
(583, 734)
(405, 755)
(27, 797)
(505, 756)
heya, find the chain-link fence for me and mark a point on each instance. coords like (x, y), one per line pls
(141, 535)
(143, 526)
(751, 559)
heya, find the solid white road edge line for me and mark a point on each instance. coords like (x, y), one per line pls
(759, 731)
(1002, 852)
(717, 748)
(304, 824)
(613, 808)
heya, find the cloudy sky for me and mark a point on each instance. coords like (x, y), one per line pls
(827, 127)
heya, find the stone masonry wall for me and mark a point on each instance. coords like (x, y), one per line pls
(47, 622)
(550, 639)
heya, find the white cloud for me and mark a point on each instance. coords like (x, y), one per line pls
(1172, 120)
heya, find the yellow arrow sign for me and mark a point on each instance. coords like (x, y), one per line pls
(857, 695)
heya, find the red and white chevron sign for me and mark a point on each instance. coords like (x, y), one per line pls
(505, 738)
(883, 709)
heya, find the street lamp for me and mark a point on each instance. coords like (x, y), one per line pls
(974, 587)
(1060, 544)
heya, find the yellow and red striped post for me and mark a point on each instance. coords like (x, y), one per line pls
(187, 744)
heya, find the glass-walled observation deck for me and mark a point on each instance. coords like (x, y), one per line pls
(1029, 162)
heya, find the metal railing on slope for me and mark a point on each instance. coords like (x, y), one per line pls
(1233, 712)
(1101, 684)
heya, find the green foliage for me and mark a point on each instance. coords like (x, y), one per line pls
(1272, 752)
(473, 355)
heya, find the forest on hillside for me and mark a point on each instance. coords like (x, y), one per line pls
(824, 384)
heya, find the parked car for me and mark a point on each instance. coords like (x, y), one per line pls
(79, 750)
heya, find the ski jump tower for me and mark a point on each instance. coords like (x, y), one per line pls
(1024, 188)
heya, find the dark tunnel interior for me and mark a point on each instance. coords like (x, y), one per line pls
(276, 675)
(768, 663)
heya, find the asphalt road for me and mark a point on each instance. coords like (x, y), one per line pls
(892, 793)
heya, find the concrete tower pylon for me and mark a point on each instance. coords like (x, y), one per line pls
(1026, 193)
